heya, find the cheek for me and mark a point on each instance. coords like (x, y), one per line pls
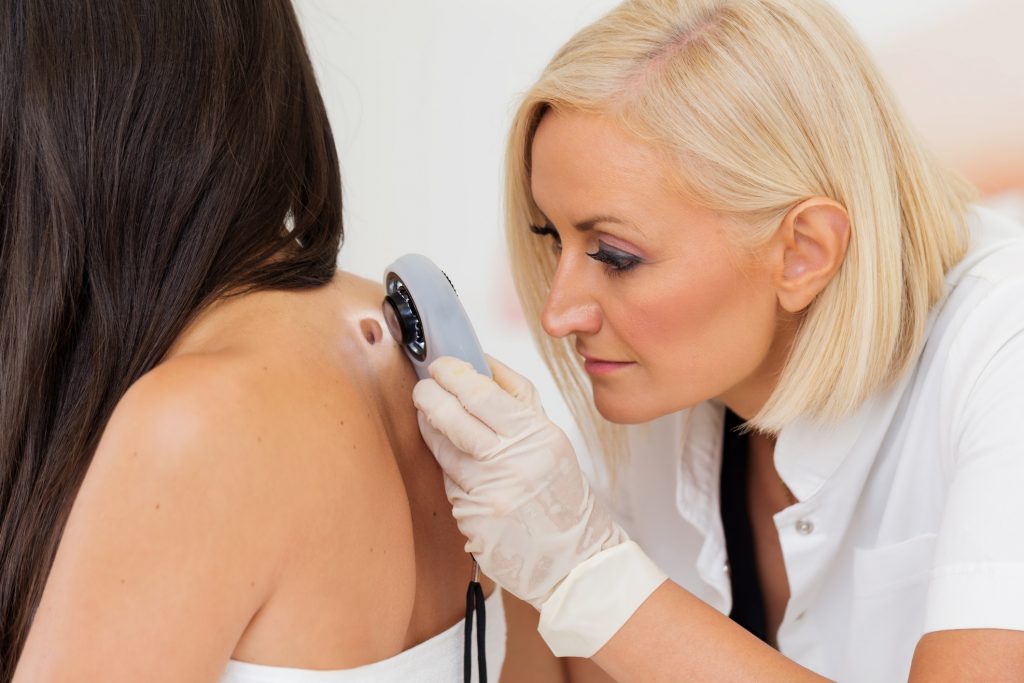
(693, 336)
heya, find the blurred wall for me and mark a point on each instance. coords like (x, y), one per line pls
(420, 93)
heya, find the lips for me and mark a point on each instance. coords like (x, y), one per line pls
(601, 366)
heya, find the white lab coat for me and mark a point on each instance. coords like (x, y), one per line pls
(911, 512)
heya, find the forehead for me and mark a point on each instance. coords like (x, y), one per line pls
(580, 157)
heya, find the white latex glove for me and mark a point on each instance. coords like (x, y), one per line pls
(519, 496)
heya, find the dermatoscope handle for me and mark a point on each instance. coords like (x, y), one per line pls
(425, 316)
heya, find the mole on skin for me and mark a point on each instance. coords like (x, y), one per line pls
(371, 329)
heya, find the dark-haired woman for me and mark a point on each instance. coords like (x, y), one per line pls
(203, 475)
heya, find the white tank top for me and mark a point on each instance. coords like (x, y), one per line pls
(437, 660)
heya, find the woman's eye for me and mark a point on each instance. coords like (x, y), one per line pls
(548, 230)
(618, 261)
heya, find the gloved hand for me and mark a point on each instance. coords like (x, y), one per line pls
(520, 498)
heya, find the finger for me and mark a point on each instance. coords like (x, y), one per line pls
(453, 490)
(451, 460)
(511, 381)
(458, 497)
(481, 396)
(446, 413)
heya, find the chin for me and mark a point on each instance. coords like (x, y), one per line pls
(629, 409)
(620, 410)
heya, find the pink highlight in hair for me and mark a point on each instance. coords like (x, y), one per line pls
(666, 53)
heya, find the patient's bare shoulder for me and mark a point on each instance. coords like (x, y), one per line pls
(258, 430)
(256, 457)
(201, 504)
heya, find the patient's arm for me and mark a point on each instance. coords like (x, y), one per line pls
(144, 586)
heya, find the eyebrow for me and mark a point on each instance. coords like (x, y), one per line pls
(591, 223)
(588, 224)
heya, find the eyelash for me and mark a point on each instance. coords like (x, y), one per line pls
(617, 262)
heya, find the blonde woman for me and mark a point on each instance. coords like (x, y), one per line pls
(805, 351)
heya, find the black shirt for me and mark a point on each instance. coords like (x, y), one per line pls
(747, 597)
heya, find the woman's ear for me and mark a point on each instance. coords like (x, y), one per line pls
(809, 247)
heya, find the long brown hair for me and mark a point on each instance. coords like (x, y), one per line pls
(154, 156)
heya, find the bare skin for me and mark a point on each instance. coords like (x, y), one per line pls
(767, 496)
(263, 495)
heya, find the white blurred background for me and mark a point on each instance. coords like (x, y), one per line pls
(421, 92)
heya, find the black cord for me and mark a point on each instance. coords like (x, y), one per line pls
(481, 627)
(475, 607)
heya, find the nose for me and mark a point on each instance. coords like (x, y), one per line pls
(570, 307)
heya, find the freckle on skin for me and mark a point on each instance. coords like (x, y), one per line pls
(122, 582)
(259, 439)
(158, 506)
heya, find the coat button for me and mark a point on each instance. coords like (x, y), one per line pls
(804, 527)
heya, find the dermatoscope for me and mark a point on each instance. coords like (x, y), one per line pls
(425, 316)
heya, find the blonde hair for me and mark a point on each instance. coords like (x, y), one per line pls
(765, 103)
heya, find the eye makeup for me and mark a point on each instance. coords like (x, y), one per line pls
(618, 261)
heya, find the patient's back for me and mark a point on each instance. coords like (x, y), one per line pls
(331, 544)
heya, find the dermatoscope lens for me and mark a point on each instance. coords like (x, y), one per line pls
(402, 319)
(391, 318)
